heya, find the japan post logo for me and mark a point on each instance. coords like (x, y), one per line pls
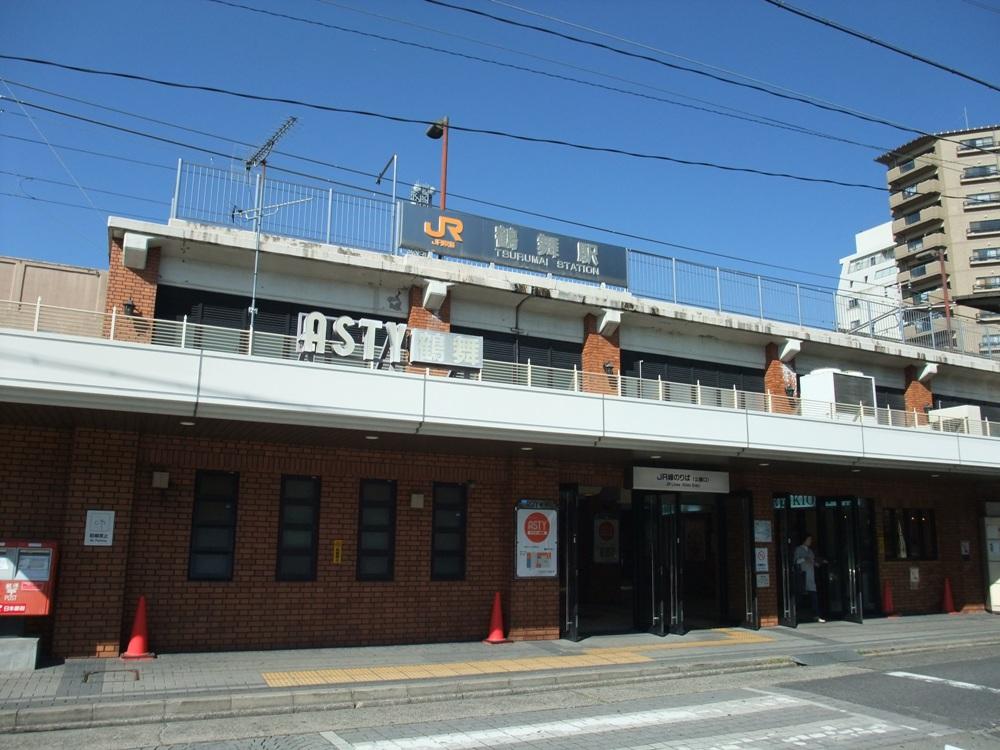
(446, 224)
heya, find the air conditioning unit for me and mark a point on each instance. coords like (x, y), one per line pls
(852, 394)
(965, 418)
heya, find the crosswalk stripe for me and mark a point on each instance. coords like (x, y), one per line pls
(943, 681)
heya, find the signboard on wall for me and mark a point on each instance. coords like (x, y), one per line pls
(679, 480)
(100, 528)
(462, 235)
(448, 349)
(536, 535)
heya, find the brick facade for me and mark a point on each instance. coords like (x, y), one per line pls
(779, 378)
(51, 477)
(421, 317)
(601, 357)
(126, 284)
(917, 397)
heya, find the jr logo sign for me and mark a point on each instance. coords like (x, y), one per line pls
(445, 225)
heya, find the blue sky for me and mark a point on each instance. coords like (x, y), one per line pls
(797, 226)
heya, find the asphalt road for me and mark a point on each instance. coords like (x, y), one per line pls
(948, 699)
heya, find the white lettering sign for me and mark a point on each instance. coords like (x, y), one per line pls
(312, 338)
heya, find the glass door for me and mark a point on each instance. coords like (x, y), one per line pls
(787, 614)
(657, 570)
(742, 505)
(569, 588)
(841, 576)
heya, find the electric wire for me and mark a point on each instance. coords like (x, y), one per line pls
(537, 214)
(743, 116)
(880, 43)
(55, 154)
(674, 66)
(34, 178)
(77, 205)
(90, 152)
(521, 137)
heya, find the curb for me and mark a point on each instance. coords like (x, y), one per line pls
(917, 648)
(232, 705)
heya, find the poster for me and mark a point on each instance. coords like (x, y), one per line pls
(605, 538)
(760, 560)
(536, 541)
(762, 531)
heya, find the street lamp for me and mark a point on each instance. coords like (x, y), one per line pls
(439, 130)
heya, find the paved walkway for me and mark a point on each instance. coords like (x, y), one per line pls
(89, 692)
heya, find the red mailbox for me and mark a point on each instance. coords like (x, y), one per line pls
(27, 576)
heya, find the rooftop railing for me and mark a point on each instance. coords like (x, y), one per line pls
(117, 326)
(351, 218)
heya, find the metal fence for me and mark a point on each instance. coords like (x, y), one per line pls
(217, 196)
(119, 327)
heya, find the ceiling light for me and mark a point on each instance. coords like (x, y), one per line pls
(527, 448)
(187, 423)
(371, 437)
(655, 457)
(935, 476)
(764, 463)
(855, 471)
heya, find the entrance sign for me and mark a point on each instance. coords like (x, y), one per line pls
(449, 349)
(760, 560)
(536, 535)
(605, 538)
(762, 531)
(682, 480)
(463, 235)
(100, 528)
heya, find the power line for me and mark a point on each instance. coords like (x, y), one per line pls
(465, 129)
(880, 43)
(984, 6)
(77, 205)
(34, 178)
(92, 153)
(744, 116)
(772, 91)
(526, 212)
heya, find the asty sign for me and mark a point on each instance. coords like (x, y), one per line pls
(313, 336)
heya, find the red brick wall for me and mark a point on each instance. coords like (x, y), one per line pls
(139, 286)
(33, 472)
(778, 376)
(421, 317)
(917, 396)
(599, 350)
(88, 612)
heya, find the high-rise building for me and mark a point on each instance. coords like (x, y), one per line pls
(944, 193)
(867, 292)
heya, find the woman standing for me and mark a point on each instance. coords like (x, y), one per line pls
(806, 560)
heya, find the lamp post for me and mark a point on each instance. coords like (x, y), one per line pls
(439, 130)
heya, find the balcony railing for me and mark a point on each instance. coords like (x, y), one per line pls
(169, 333)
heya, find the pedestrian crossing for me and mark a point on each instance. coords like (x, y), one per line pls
(738, 720)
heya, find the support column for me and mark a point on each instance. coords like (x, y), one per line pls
(88, 616)
(136, 282)
(430, 308)
(918, 398)
(780, 380)
(602, 355)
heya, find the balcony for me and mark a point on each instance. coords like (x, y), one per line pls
(120, 363)
(984, 256)
(978, 174)
(977, 201)
(985, 228)
(929, 244)
(918, 222)
(912, 194)
(974, 146)
(910, 170)
(919, 276)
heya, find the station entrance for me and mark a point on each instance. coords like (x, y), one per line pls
(659, 562)
(842, 533)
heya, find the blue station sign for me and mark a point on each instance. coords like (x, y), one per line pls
(461, 235)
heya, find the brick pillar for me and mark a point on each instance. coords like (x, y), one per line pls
(88, 616)
(778, 376)
(917, 397)
(421, 317)
(598, 352)
(534, 603)
(140, 286)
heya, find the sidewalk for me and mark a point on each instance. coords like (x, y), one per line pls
(95, 692)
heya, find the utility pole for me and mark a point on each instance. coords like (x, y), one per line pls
(260, 158)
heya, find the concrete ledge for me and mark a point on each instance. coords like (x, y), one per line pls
(50, 717)
(130, 711)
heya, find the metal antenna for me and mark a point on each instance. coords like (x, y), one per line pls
(378, 181)
(257, 213)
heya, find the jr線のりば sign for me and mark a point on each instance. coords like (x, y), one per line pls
(536, 540)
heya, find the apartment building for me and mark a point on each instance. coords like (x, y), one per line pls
(868, 283)
(945, 202)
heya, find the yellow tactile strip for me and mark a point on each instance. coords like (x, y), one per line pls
(593, 657)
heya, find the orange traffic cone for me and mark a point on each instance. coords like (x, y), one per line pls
(496, 624)
(138, 644)
(888, 606)
(947, 601)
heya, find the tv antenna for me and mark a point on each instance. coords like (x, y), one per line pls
(259, 211)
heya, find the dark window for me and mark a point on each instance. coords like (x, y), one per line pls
(298, 529)
(376, 530)
(912, 218)
(984, 171)
(989, 225)
(910, 534)
(213, 526)
(692, 372)
(448, 544)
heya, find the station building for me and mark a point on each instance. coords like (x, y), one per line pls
(400, 436)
